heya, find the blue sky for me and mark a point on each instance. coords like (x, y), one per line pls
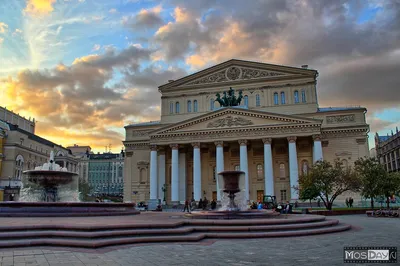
(139, 45)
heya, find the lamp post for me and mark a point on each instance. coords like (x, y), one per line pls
(164, 190)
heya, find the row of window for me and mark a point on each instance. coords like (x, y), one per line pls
(245, 102)
(189, 107)
(296, 97)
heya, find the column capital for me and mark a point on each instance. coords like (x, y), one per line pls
(153, 147)
(174, 146)
(267, 140)
(219, 143)
(196, 145)
(292, 139)
(243, 142)
(316, 137)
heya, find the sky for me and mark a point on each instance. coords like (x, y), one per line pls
(86, 68)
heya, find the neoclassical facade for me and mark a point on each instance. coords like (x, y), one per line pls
(275, 134)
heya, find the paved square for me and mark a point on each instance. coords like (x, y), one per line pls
(312, 250)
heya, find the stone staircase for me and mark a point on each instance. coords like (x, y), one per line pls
(190, 230)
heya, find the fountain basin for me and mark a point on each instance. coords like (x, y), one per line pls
(49, 178)
(65, 209)
(233, 215)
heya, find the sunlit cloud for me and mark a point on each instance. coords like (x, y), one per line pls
(39, 7)
(3, 27)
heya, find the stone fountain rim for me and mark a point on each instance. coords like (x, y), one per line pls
(47, 172)
(231, 172)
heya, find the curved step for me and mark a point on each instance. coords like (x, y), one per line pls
(172, 238)
(173, 231)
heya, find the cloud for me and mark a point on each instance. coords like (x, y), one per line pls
(77, 97)
(1, 40)
(17, 32)
(113, 11)
(3, 27)
(146, 18)
(39, 7)
(96, 47)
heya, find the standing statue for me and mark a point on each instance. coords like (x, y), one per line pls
(229, 98)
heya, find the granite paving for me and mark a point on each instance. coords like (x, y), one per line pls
(308, 250)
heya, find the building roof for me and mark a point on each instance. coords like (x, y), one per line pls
(34, 137)
(332, 109)
(103, 156)
(143, 124)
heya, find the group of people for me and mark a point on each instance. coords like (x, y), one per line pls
(349, 202)
(284, 208)
(203, 204)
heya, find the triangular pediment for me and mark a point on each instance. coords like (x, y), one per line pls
(237, 71)
(228, 118)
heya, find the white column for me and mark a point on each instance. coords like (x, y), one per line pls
(161, 174)
(182, 176)
(220, 164)
(268, 170)
(153, 172)
(196, 171)
(244, 166)
(175, 173)
(293, 168)
(317, 150)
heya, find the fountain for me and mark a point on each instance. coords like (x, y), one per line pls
(51, 190)
(47, 183)
(232, 181)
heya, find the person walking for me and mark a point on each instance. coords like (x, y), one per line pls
(186, 206)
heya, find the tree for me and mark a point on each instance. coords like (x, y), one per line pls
(372, 175)
(391, 186)
(84, 189)
(330, 180)
(310, 193)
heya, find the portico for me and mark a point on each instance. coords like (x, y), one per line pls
(264, 146)
(260, 118)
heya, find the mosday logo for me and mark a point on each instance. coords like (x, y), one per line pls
(370, 254)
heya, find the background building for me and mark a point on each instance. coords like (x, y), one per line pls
(388, 150)
(103, 172)
(23, 150)
(275, 134)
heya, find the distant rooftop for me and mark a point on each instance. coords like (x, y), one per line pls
(330, 109)
(144, 123)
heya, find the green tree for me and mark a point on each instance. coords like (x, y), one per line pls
(330, 180)
(310, 193)
(372, 175)
(391, 186)
(84, 189)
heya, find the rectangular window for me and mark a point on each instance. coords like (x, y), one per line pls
(283, 195)
(171, 108)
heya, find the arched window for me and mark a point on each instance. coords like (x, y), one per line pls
(177, 107)
(195, 106)
(237, 167)
(258, 103)
(282, 170)
(246, 101)
(304, 167)
(296, 96)
(283, 100)
(260, 171)
(303, 96)
(19, 166)
(276, 98)
(211, 104)
(171, 107)
(189, 106)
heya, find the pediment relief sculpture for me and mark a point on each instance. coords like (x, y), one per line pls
(235, 73)
(230, 121)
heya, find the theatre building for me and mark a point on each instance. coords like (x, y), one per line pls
(274, 135)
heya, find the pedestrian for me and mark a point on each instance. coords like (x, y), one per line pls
(186, 206)
(347, 202)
